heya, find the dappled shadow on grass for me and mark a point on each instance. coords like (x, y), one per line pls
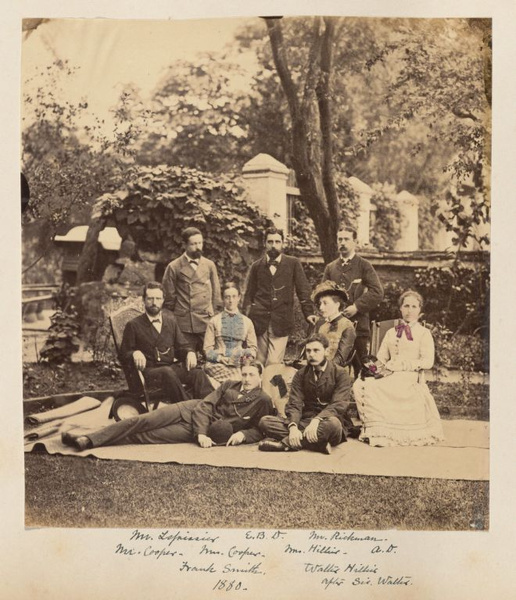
(63, 491)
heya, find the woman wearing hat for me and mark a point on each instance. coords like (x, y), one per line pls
(331, 300)
(398, 409)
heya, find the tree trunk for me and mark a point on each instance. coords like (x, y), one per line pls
(312, 154)
(88, 258)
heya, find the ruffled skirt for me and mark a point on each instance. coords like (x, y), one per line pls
(397, 410)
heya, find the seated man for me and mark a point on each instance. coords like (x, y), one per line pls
(153, 342)
(228, 415)
(316, 411)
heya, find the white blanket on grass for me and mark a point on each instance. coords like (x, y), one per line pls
(464, 454)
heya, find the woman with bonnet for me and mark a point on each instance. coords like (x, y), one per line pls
(331, 300)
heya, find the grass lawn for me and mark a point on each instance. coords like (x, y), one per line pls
(64, 491)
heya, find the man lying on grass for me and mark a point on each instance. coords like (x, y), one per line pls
(228, 415)
(317, 406)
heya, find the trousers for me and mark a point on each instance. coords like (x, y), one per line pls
(165, 425)
(169, 379)
(329, 431)
(271, 349)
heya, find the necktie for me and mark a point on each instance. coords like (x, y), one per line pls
(194, 263)
(345, 262)
(402, 327)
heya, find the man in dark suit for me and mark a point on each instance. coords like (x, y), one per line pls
(229, 415)
(358, 277)
(316, 411)
(192, 289)
(155, 345)
(269, 297)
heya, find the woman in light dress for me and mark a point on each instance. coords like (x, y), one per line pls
(229, 339)
(398, 409)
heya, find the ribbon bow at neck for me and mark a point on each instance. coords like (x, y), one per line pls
(402, 327)
(273, 263)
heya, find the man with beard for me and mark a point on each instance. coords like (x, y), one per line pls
(229, 415)
(358, 277)
(192, 289)
(316, 411)
(155, 345)
(269, 297)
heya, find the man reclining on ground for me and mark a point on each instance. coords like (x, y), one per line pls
(228, 415)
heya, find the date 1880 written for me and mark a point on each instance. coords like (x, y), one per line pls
(229, 585)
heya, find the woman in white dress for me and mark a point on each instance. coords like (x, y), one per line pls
(398, 409)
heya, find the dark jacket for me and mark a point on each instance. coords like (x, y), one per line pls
(362, 284)
(242, 410)
(140, 334)
(327, 397)
(269, 299)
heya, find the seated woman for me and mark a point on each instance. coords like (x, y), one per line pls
(398, 409)
(331, 299)
(229, 338)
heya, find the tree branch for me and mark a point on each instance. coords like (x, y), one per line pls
(313, 67)
(279, 55)
(323, 91)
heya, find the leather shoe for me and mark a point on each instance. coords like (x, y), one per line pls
(79, 442)
(270, 445)
(354, 432)
(323, 448)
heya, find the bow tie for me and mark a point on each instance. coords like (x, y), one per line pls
(345, 261)
(404, 328)
(194, 262)
(273, 263)
(156, 321)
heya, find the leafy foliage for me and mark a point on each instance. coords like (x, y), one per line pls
(63, 338)
(157, 203)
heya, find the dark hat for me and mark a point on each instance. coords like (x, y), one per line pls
(329, 288)
(220, 431)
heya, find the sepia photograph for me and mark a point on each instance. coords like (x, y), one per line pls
(256, 272)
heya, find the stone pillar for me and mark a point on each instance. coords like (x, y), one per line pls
(408, 206)
(266, 180)
(364, 193)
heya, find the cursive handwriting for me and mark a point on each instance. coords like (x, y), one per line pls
(234, 562)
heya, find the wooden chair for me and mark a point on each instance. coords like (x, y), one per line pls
(134, 377)
(378, 331)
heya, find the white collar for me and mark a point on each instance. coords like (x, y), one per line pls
(349, 258)
(156, 318)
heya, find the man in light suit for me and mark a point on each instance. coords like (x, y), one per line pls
(192, 289)
(358, 277)
(316, 411)
(269, 297)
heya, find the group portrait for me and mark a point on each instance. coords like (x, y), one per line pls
(256, 272)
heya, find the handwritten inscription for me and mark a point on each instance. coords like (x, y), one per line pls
(235, 561)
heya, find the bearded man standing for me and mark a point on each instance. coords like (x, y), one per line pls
(192, 289)
(269, 297)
